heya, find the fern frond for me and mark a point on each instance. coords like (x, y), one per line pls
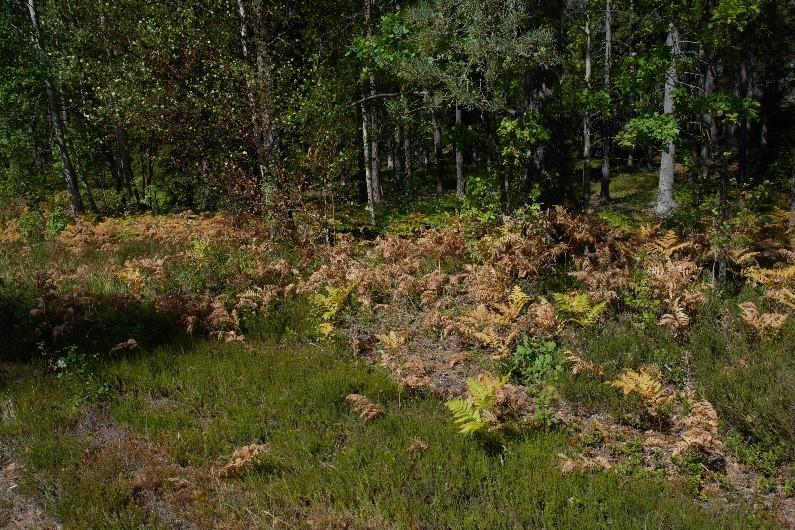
(762, 323)
(393, 341)
(466, 417)
(484, 388)
(644, 384)
(579, 307)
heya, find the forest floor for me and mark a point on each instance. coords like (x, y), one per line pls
(185, 372)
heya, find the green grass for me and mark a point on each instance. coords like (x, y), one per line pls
(201, 400)
(749, 379)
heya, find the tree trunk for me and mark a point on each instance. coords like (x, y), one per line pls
(459, 154)
(56, 119)
(437, 151)
(792, 201)
(708, 144)
(665, 194)
(742, 129)
(396, 165)
(92, 204)
(267, 132)
(604, 188)
(375, 160)
(586, 129)
(124, 162)
(258, 151)
(407, 158)
(368, 176)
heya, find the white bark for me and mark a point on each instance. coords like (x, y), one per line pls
(56, 119)
(368, 176)
(665, 193)
(604, 188)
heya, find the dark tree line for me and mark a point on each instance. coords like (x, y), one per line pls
(248, 104)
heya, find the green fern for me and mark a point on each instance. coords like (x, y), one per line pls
(484, 391)
(467, 418)
(328, 305)
(579, 308)
(474, 414)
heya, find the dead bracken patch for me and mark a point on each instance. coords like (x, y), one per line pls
(367, 409)
(128, 345)
(570, 465)
(416, 445)
(243, 459)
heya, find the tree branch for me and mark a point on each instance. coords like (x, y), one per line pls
(374, 96)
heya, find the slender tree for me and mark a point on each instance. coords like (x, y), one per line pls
(459, 153)
(55, 116)
(586, 127)
(604, 187)
(665, 198)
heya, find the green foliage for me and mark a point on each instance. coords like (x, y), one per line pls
(639, 299)
(32, 225)
(693, 464)
(328, 305)
(468, 419)
(578, 308)
(518, 137)
(57, 221)
(535, 361)
(544, 415)
(657, 129)
(82, 370)
(766, 461)
(475, 414)
(737, 13)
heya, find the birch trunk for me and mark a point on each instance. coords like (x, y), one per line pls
(665, 193)
(604, 185)
(368, 176)
(586, 128)
(396, 162)
(56, 119)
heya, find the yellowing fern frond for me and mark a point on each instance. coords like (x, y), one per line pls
(762, 323)
(328, 305)
(517, 300)
(644, 384)
(474, 413)
(484, 388)
(783, 296)
(393, 341)
(782, 276)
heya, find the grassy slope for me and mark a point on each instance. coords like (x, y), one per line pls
(196, 401)
(201, 401)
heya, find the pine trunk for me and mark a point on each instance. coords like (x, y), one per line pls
(586, 128)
